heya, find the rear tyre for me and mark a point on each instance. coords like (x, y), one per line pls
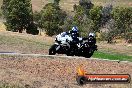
(88, 55)
(52, 50)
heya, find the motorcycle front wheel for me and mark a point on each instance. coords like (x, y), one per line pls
(52, 50)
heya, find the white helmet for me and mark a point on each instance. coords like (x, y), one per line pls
(63, 34)
(92, 34)
(75, 29)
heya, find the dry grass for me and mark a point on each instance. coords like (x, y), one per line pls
(1, 2)
(24, 43)
(2, 27)
(119, 48)
(68, 4)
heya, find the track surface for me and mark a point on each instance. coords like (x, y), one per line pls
(50, 71)
(47, 71)
(56, 56)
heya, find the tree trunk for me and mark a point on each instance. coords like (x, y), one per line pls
(20, 30)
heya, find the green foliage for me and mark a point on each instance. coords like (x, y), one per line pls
(106, 14)
(18, 15)
(68, 23)
(92, 18)
(111, 56)
(81, 17)
(38, 19)
(0, 14)
(82, 20)
(86, 5)
(52, 18)
(4, 7)
(95, 16)
(32, 26)
(110, 36)
(56, 2)
(78, 18)
(123, 19)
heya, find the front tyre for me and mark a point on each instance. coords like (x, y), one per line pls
(52, 50)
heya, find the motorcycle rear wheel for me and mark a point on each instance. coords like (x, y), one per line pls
(88, 55)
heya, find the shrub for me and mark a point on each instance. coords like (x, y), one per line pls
(95, 16)
(123, 19)
(52, 17)
(18, 15)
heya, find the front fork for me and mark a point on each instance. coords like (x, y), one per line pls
(58, 47)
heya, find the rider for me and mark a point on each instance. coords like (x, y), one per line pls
(91, 39)
(62, 36)
(74, 31)
(74, 34)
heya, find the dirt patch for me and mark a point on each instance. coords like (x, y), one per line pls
(2, 27)
(51, 72)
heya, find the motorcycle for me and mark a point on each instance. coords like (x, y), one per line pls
(86, 48)
(61, 45)
(66, 45)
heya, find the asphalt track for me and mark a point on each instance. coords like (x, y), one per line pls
(56, 56)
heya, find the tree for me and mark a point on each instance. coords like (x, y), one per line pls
(52, 18)
(83, 7)
(81, 17)
(18, 15)
(106, 14)
(95, 16)
(123, 20)
(0, 14)
(56, 2)
(86, 4)
(78, 17)
(120, 24)
(68, 23)
(4, 7)
(38, 19)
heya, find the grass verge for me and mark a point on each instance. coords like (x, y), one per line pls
(111, 56)
(22, 45)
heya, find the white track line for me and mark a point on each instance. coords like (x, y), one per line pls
(69, 57)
